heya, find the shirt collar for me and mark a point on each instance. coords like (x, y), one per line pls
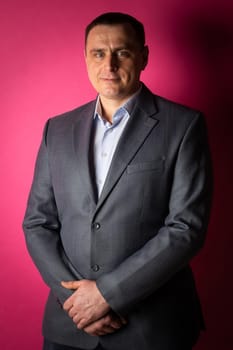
(127, 107)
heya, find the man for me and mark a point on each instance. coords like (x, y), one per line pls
(118, 206)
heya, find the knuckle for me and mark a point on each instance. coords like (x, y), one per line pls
(70, 313)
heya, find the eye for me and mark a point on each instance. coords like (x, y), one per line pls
(98, 54)
(123, 54)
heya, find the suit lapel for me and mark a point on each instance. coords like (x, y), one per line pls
(82, 133)
(141, 123)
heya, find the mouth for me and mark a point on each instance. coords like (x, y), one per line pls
(110, 81)
(110, 78)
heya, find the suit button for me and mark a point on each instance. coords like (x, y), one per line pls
(95, 268)
(96, 226)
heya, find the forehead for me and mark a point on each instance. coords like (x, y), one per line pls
(119, 34)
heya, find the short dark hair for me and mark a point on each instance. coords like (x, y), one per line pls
(112, 18)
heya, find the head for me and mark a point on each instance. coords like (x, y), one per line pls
(116, 18)
(115, 54)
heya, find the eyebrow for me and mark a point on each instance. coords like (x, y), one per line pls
(115, 49)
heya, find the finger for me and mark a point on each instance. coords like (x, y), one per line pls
(76, 318)
(115, 324)
(98, 329)
(108, 329)
(105, 331)
(95, 333)
(94, 327)
(70, 284)
(106, 325)
(74, 315)
(123, 320)
(117, 321)
(83, 322)
(68, 304)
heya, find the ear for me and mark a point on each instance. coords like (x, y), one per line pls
(85, 53)
(145, 55)
(85, 56)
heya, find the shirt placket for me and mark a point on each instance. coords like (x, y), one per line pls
(105, 153)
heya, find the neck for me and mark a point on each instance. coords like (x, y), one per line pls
(110, 106)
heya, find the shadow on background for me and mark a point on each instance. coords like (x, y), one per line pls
(208, 41)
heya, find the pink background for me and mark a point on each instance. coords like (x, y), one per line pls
(43, 73)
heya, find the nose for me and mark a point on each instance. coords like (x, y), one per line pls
(111, 62)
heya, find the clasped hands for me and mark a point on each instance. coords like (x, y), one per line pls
(89, 310)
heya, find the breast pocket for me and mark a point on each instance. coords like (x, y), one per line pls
(156, 165)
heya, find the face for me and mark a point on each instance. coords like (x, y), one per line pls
(114, 61)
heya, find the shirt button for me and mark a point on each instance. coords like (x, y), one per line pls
(96, 226)
(95, 268)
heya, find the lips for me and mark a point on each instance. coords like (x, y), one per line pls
(109, 77)
(110, 80)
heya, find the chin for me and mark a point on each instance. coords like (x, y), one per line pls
(110, 93)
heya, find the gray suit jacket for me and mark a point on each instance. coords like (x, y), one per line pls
(137, 240)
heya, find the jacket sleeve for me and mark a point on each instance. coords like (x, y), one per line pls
(182, 234)
(42, 228)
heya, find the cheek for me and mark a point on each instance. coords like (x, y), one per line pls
(126, 70)
(129, 74)
(92, 72)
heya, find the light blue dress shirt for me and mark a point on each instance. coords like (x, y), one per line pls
(106, 138)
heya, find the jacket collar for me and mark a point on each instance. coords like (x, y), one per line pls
(143, 119)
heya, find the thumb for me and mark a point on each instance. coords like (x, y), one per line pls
(70, 284)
